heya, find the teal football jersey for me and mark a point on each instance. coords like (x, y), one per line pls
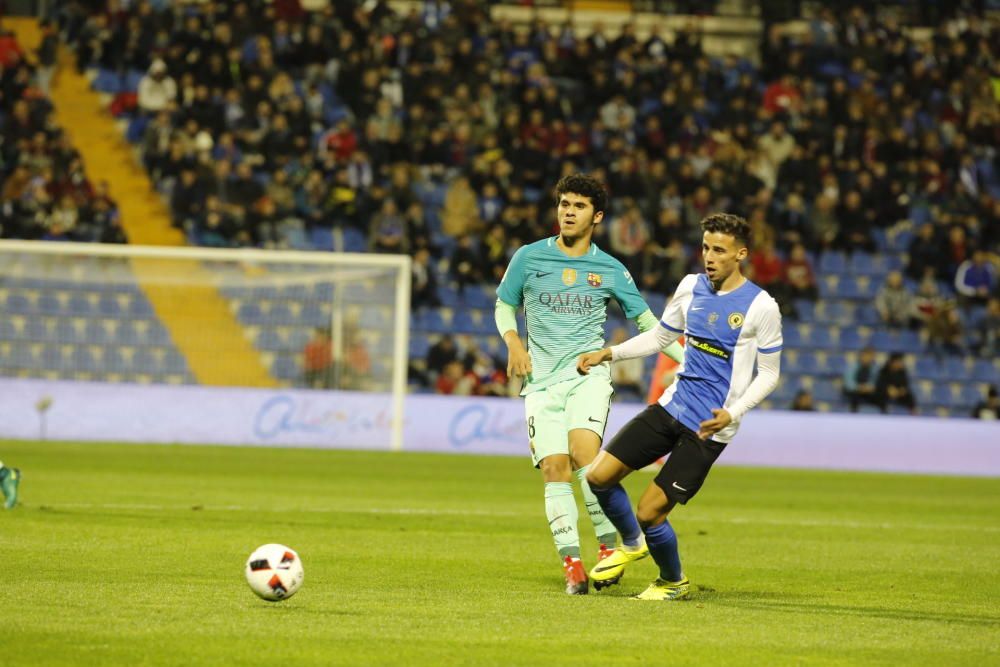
(565, 303)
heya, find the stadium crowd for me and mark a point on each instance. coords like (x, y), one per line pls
(45, 192)
(264, 122)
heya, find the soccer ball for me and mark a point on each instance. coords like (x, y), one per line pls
(274, 572)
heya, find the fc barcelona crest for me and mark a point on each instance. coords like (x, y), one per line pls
(594, 279)
(569, 277)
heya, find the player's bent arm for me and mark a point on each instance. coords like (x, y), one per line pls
(518, 359)
(505, 316)
(648, 321)
(768, 371)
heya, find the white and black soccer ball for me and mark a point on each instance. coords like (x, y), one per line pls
(274, 572)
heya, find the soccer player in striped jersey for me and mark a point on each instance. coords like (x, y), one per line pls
(729, 324)
(564, 283)
(10, 479)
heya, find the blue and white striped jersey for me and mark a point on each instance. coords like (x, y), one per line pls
(725, 331)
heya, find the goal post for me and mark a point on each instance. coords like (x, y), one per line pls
(208, 317)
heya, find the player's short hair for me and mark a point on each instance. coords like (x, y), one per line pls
(586, 186)
(727, 223)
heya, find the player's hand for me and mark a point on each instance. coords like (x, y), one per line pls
(588, 360)
(518, 362)
(719, 421)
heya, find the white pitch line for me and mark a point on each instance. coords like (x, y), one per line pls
(431, 511)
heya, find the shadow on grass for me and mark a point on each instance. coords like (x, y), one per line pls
(770, 601)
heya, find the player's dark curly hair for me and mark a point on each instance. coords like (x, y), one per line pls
(727, 223)
(586, 186)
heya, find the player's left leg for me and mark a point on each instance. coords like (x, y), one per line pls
(671, 584)
(550, 454)
(588, 405)
(10, 479)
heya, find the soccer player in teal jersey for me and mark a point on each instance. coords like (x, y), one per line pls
(10, 479)
(564, 283)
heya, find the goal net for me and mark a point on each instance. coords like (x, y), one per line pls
(209, 317)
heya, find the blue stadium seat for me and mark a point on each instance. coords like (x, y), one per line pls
(18, 304)
(862, 263)
(249, 312)
(970, 394)
(806, 362)
(321, 238)
(354, 240)
(128, 333)
(851, 338)
(928, 368)
(48, 303)
(156, 334)
(107, 81)
(374, 318)
(139, 307)
(449, 296)
(8, 331)
(79, 305)
(83, 359)
(312, 315)
(821, 337)
(985, 370)
(280, 313)
(52, 357)
(866, 314)
(848, 288)
(95, 333)
(270, 339)
(923, 390)
(418, 346)
(429, 320)
(66, 332)
(174, 361)
(805, 309)
(792, 336)
(827, 390)
(941, 394)
(36, 331)
(833, 263)
(145, 361)
(115, 360)
(463, 321)
(834, 312)
(955, 368)
(108, 306)
(285, 367)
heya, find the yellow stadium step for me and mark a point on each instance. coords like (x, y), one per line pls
(603, 5)
(199, 318)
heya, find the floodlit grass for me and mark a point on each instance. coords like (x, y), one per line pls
(134, 555)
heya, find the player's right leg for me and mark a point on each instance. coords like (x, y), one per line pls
(550, 453)
(10, 479)
(642, 441)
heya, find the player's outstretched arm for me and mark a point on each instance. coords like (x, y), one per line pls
(518, 358)
(647, 321)
(643, 345)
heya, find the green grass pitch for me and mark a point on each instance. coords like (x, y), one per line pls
(129, 555)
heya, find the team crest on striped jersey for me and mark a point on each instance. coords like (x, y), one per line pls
(569, 276)
(735, 320)
(594, 279)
